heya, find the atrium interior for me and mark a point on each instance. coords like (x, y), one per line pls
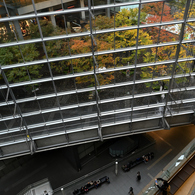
(76, 72)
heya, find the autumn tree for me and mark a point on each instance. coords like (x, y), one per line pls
(58, 48)
(129, 17)
(12, 55)
(154, 11)
(86, 64)
(46, 27)
(124, 39)
(163, 54)
(100, 23)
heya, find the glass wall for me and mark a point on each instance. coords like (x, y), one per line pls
(73, 68)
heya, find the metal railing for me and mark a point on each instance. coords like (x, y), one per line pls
(172, 168)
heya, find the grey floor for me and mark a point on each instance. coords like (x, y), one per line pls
(54, 166)
(168, 144)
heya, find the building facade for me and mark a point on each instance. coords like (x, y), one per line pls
(74, 72)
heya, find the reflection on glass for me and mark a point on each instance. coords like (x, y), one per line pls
(67, 100)
(154, 11)
(86, 97)
(6, 32)
(57, 48)
(101, 22)
(80, 45)
(82, 64)
(187, 50)
(105, 78)
(128, 16)
(189, 31)
(106, 94)
(85, 81)
(65, 85)
(166, 52)
(124, 75)
(144, 38)
(62, 67)
(29, 106)
(48, 103)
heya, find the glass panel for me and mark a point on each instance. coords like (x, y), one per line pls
(183, 67)
(25, 91)
(107, 107)
(104, 41)
(154, 71)
(165, 53)
(74, 112)
(48, 103)
(82, 64)
(63, 67)
(31, 120)
(180, 82)
(123, 91)
(124, 75)
(102, 22)
(4, 94)
(12, 55)
(144, 38)
(122, 117)
(2, 126)
(29, 106)
(8, 110)
(80, 45)
(67, 100)
(106, 78)
(45, 88)
(74, 125)
(146, 55)
(87, 110)
(147, 87)
(89, 122)
(65, 85)
(187, 50)
(57, 48)
(127, 15)
(170, 33)
(6, 32)
(106, 93)
(85, 81)
(189, 31)
(52, 116)
(124, 58)
(122, 104)
(146, 101)
(153, 12)
(86, 97)
(191, 12)
(14, 123)
(108, 119)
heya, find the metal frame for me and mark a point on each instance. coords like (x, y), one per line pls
(130, 114)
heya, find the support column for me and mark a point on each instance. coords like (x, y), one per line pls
(18, 29)
(82, 13)
(73, 157)
(53, 20)
(17, 26)
(108, 9)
